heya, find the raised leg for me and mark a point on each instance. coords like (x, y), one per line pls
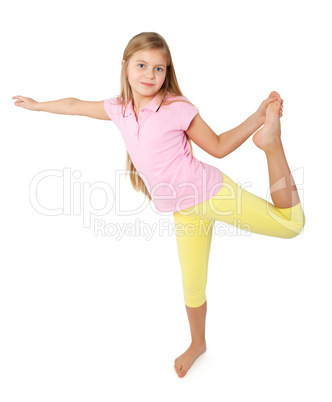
(282, 186)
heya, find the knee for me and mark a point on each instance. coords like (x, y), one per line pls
(194, 302)
(194, 294)
(298, 228)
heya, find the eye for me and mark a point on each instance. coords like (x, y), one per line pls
(160, 69)
(141, 64)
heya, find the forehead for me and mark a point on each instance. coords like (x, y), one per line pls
(153, 56)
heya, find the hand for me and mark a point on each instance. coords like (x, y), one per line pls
(26, 103)
(261, 111)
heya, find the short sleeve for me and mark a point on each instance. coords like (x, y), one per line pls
(187, 113)
(114, 110)
(108, 103)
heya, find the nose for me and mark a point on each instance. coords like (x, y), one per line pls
(149, 73)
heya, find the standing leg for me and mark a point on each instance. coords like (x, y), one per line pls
(196, 317)
(193, 238)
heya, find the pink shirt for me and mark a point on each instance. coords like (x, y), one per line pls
(160, 152)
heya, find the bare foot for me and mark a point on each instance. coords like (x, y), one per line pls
(275, 94)
(183, 363)
(269, 135)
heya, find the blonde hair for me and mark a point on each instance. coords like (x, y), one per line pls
(143, 41)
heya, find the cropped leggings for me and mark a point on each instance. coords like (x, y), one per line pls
(234, 206)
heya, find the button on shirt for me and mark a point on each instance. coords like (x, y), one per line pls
(159, 149)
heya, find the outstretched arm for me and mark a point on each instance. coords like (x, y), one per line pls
(221, 145)
(71, 106)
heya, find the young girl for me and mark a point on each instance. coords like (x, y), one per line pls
(157, 124)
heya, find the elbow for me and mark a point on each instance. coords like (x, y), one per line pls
(220, 149)
(221, 154)
(223, 150)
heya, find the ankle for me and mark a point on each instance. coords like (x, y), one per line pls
(198, 343)
(274, 147)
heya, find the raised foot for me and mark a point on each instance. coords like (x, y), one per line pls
(270, 134)
(183, 363)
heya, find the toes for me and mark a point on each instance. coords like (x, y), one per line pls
(181, 372)
(177, 367)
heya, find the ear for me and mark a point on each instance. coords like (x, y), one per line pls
(123, 62)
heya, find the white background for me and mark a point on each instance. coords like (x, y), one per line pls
(86, 317)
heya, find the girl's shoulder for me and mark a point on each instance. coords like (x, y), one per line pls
(115, 100)
(175, 99)
(114, 107)
(179, 101)
(116, 103)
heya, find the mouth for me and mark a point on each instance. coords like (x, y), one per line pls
(148, 85)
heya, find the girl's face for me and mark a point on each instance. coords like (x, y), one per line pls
(146, 67)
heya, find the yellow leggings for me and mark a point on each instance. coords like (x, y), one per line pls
(235, 206)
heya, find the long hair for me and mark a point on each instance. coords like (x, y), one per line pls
(143, 41)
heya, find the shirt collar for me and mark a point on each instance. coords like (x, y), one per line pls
(153, 105)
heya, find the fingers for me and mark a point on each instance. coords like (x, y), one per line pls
(281, 107)
(20, 100)
(275, 94)
(270, 100)
(19, 97)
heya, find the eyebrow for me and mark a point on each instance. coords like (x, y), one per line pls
(155, 65)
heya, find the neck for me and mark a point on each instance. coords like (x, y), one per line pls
(140, 102)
